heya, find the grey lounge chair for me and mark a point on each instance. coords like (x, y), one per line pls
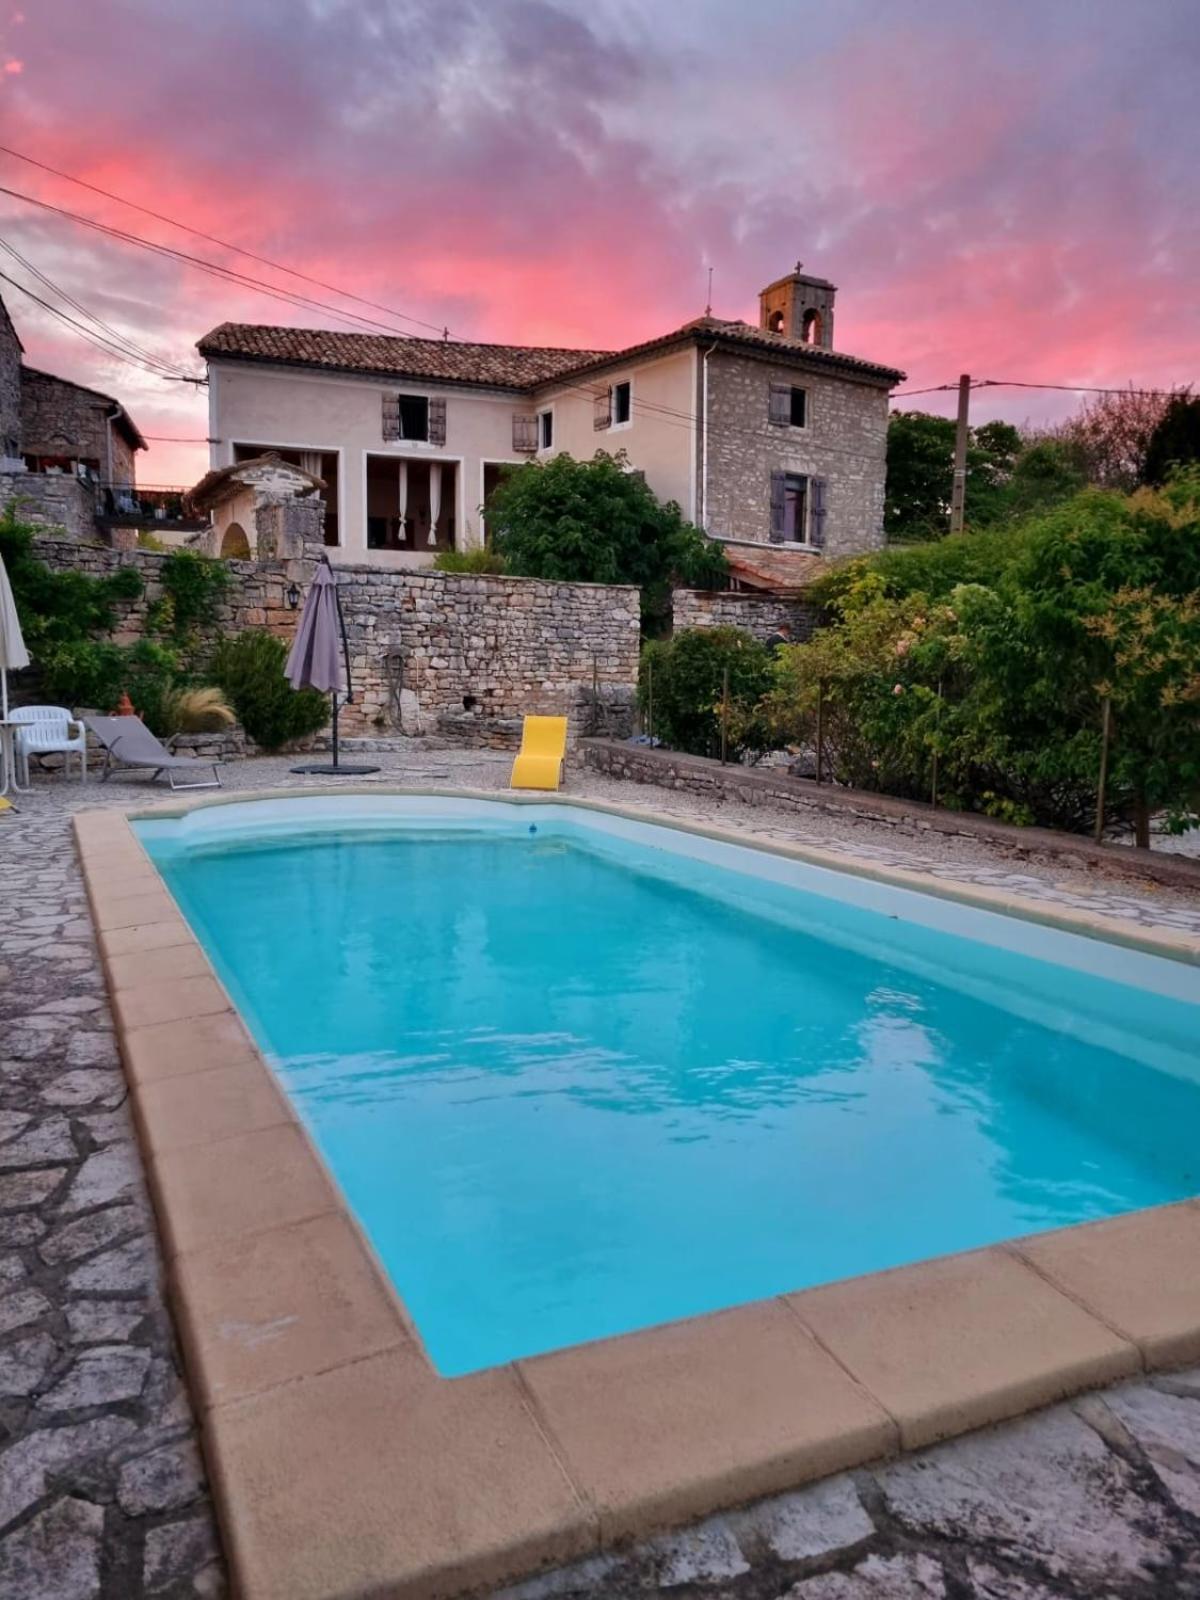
(129, 741)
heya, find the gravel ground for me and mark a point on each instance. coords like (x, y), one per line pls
(102, 1490)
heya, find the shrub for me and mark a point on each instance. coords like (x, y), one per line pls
(485, 561)
(598, 522)
(1002, 664)
(686, 676)
(249, 669)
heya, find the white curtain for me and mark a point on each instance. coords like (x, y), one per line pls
(435, 498)
(402, 505)
(310, 461)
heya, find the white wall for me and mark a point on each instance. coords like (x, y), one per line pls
(309, 410)
(660, 435)
(305, 410)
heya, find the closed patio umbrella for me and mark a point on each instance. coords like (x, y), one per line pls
(320, 659)
(13, 654)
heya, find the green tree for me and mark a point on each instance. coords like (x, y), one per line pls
(920, 474)
(1175, 441)
(597, 522)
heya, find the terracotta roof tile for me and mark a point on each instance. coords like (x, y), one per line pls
(505, 366)
(773, 567)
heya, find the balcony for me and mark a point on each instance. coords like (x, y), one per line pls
(119, 505)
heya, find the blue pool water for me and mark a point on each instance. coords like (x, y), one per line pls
(574, 1081)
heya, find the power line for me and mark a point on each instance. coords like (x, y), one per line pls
(1015, 383)
(94, 338)
(225, 244)
(120, 339)
(225, 274)
(1074, 388)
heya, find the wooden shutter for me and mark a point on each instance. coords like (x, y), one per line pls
(779, 405)
(391, 416)
(437, 421)
(778, 489)
(524, 434)
(816, 513)
(602, 411)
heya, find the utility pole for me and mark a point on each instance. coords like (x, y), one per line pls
(958, 495)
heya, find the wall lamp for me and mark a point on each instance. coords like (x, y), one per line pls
(293, 596)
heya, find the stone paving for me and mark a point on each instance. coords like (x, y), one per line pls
(102, 1489)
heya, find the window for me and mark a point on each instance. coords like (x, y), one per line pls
(787, 407)
(545, 430)
(414, 417)
(797, 509)
(622, 403)
(776, 322)
(413, 410)
(811, 328)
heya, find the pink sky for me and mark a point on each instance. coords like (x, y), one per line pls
(1002, 187)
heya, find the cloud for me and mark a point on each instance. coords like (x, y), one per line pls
(1008, 191)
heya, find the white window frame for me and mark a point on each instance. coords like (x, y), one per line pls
(543, 412)
(613, 425)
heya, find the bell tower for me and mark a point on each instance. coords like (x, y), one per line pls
(799, 307)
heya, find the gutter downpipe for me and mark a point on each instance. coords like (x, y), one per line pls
(704, 438)
(109, 417)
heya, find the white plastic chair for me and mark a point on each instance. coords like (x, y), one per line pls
(47, 730)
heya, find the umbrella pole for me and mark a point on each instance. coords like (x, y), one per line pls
(335, 728)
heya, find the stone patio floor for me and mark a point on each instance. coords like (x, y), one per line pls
(102, 1489)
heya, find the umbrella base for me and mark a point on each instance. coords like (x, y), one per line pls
(342, 769)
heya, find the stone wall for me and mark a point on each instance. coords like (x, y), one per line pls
(454, 654)
(51, 500)
(757, 614)
(775, 787)
(10, 390)
(59, 418)
(844, 442)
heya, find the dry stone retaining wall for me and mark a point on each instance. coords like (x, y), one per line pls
(757, 614)
(430, 652)
(51, 500)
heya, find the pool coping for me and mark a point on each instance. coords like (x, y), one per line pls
(344, 1466)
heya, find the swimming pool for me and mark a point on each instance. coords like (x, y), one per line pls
(577, 1074)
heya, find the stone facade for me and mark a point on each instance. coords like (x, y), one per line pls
(10, 391)
(59, 418)
(757, 614)
(52, 500)
(467, 656)
(844, 441)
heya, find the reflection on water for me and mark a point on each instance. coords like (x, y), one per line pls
(566, 1098)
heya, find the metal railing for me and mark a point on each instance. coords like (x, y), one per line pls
(124, 505)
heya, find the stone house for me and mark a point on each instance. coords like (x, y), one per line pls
(67, 452)
(764, 435)
(66, 427)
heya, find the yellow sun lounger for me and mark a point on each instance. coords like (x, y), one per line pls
(539, 763)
